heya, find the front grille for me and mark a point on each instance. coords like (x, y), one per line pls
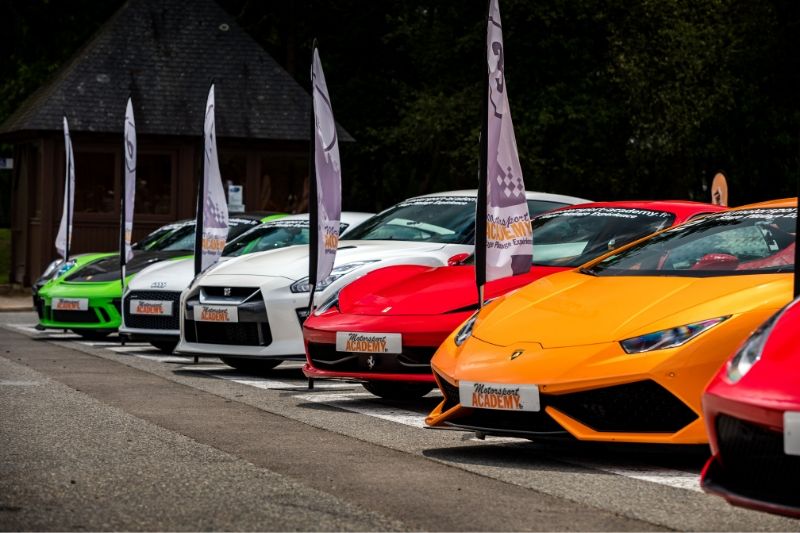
(508, 422)
(234, 334)
(640, 407)
(413, 360)
(77, 317)
(754, 463)
(450, 393)
(234, 293)
(153, 321)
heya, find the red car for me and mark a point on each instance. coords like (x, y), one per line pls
(383, 328)
(752, 411)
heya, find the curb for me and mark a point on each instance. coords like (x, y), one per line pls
(15, 309)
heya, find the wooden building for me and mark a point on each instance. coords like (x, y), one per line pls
(165, 54)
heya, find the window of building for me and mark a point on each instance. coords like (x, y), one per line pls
(95, 181)
(154, 175)
(284, 183)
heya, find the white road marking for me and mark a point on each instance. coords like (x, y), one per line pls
(663, 476)
(11, 383)
(384, 412)
(124, 349)
(273, 384)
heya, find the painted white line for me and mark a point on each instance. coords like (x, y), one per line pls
(653, 474)
(125, 349)
(273, 384)
(384, 412)
(105, 344)
(10, 383)
(27, 328)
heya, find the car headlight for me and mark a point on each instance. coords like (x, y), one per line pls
(51, 268)
(466, 330)
(302, 285)
(333, 301)
(750, 351)
(669, 338)
(64, 268)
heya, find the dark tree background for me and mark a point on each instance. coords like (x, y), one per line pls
(611, 99)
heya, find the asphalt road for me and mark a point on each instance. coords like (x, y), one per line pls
(98, 436)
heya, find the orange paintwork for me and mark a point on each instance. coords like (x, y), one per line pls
(570, 326)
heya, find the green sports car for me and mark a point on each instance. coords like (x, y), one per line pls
(85, 294)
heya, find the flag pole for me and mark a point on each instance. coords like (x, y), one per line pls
(69, 199)
(313, 205)
(480, 205)
(796, 250)
(313, 208)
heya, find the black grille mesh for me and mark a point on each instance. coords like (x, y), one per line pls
(233, 334)
(640, 407)
(754, 463)
(413, 360)
(450, 393)
(75, 317)
(151, 321)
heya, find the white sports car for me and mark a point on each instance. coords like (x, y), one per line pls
(150, 303)
(249, 311)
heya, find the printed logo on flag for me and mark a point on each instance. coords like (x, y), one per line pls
(509, 236)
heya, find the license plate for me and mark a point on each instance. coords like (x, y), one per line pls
(71, 304)
(216, 313)
(151, 307)
(502, 397)
(347, 341)
(791, 432)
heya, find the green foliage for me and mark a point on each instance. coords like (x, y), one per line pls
(610, 98)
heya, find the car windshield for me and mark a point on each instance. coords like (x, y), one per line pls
(270, 236)
(574, 236)
(182, 239)
(153, 238)
(751, 241)
(445, 219)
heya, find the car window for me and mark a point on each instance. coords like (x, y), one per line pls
(272, 235)
(572, 237)
(445, 219)
(752, 241)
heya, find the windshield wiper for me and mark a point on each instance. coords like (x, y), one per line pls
(588, 271)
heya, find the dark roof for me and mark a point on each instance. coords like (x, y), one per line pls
(165, 53)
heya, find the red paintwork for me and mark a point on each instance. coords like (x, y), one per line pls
(425, 304)
(771, 387)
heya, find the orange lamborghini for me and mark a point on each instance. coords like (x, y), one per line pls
(621, 348)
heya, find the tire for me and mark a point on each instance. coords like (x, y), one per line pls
(251, 365)
(398, 390)
(92, 334)
(166, 347)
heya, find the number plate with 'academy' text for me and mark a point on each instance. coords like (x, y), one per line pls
(503, 397)
(347, 341)
(151, 307)
(216, 313)
(70, 304)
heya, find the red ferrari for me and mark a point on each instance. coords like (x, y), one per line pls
(752, 411)
(383, 328)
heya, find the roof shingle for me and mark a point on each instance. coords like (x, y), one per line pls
(165, 53)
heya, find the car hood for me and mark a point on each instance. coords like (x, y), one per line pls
(423, 290)
(292, 262)
(165, 275)
(571, 309)
(108, 269)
